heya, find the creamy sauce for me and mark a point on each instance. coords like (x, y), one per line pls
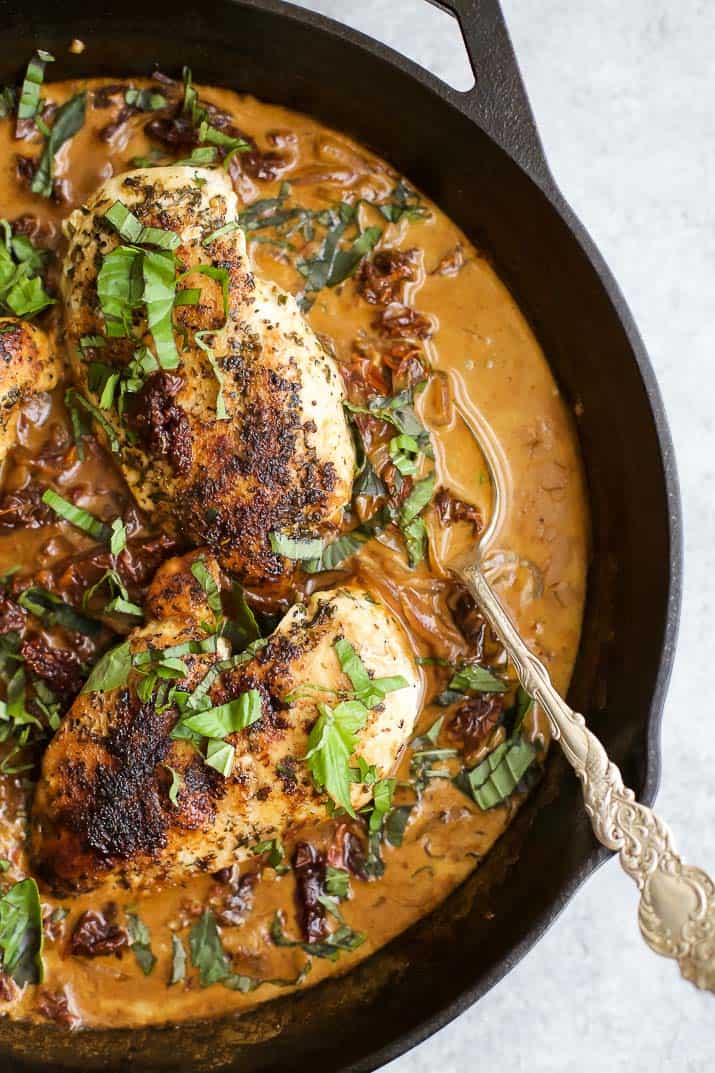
(491, 383)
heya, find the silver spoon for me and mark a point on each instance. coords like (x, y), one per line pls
(676, 912)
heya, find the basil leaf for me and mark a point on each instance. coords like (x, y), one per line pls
(21, 933)
(205, 579)
(145, 100)
(207, 952)
(29, 102)
(346, 261)
(396, 823)
(227, 718)
(159, 292)
(119, 288)
(369, 691)
(337, 882)
(404, 452)
(348, 544)
(274, 849)
(141, 943)
(111, 671)
(381, 803)
(226, 229)
(296, 548)
(69, 118)
(221, 414)
(417, 500)
(27, 297)
(55, 612)
(481, 680)
(178, 961)
(331, 743)
(130, 229)
(496, 778)
(403, 202)
(76, 515)
(220, 755)
(415, 537)
(73, 398)
(118, 537)
(175, 787)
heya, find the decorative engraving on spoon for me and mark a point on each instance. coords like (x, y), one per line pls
(677, 904)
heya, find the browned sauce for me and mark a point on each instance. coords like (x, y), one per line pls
(490, 379)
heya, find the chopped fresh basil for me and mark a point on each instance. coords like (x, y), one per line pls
(145, 100)
(82, 519)
(331, 743)
(297, 548)
(396, 823)
(220, 232)
(473, 677)
(29, 103)
(175, 786)
(404, 452)
(141, 943)
(199, 337)
(111, 671)
(130, 229)
(118, 537)
(220, 755)
(275, 853)
(496, 778)
(229, 718)
(119, 288)
(159, 293)
(369, 691)
(337, 882)
(69, 118)
(381, 803)
(205, 579)
(403, 202)
(207, 952)
(55, 612)
(398, 411)
(21, 933)
(343, 938)
(74, 399)
(21, 289)
(348, 544)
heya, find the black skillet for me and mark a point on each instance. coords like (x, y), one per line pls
(478, 155)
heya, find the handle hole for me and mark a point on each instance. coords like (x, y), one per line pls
(426, 34)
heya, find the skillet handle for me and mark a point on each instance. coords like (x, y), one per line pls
(498, 101)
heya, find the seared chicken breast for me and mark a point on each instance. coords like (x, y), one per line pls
(241, 432)
(28, 366)
(120, 797)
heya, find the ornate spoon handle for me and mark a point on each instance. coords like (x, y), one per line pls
(677, 904)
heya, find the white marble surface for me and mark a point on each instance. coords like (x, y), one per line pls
(623, 92)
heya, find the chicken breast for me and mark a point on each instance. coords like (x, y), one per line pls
(28, 366)
(240, 434)
(103, 806)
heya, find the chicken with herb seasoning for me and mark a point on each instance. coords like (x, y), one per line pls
(178, 757)
(221, 405)
(28, 366)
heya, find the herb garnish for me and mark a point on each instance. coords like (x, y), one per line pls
(343, 938)
(68, 120)
(296, 548)
(178, 961)
(145, 100)
(141, 943)
(21, 290)
(111, 671)
(82, 519)
(21, 934)
(29, 103)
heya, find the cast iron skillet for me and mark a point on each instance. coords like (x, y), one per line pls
(478, 155)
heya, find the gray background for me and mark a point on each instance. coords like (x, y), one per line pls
(623, 92)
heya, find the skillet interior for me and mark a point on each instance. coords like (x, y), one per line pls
(438, 968)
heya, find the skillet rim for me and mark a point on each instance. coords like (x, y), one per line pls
(529, 158)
